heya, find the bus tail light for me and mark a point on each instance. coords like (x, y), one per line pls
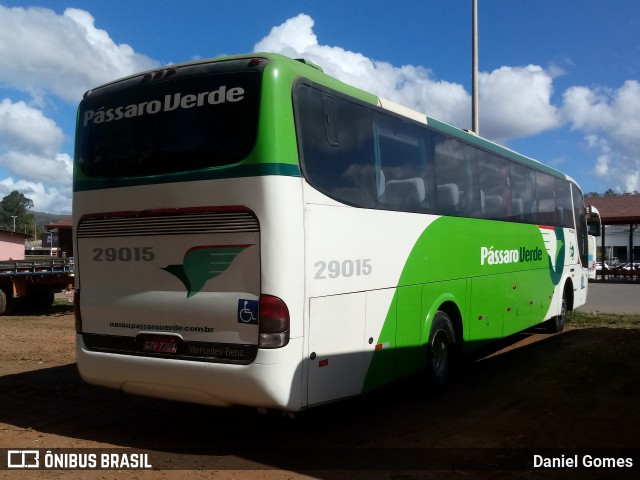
(76, 310)
(273, 322)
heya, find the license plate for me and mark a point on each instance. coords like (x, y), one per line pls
(160, 344)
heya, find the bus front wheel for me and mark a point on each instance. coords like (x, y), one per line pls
(441, 349)
(556, 324)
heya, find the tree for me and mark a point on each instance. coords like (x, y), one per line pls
(16, 205)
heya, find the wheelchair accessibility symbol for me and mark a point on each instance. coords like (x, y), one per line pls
(248, 311)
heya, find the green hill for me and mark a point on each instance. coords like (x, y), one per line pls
(43, 218)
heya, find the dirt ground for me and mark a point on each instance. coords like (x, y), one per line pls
(576, 390)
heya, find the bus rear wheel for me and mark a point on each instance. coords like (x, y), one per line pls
(441, 349)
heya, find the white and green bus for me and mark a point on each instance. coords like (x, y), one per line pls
(251, 231)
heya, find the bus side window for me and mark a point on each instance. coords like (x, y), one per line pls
(335, 144)
(452, 165)
(493, 182)
(448, 199)
(523, 189)
(400, 164)
(563, 203)
(545, 198)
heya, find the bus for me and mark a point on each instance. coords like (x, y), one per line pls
(251, 231)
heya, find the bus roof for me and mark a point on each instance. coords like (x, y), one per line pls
(316, 73)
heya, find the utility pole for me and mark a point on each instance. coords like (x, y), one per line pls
(475, 124)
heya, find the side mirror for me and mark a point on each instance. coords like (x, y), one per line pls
(594, 226)
(594, 223)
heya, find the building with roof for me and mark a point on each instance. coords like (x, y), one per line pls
(12, 245)
(63, 231)
(620, 214)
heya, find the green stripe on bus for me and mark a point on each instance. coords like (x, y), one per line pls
(238, 171)
(496, 295)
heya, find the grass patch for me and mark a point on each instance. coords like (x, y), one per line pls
(62, 302)
(596, 319)
(60, 307)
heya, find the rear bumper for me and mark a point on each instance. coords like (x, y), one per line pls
(273, 380)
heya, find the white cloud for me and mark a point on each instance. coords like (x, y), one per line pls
(25, 128)
(29, 145)
(292, 37)
(412, 86)
(514, 101)
(45, 199)
(29, 151)
(57, 169)
(50, 56)
(42, 53)
(611, 122)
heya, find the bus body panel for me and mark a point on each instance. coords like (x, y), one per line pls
(132, 298)
(274, 378)
(268, 199)
(198, 276)
(366, 330)
(336, 340)
(338, 258)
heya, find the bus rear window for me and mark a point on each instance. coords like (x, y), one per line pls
(188, 121)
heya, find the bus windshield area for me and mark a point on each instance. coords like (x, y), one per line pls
(190, 121)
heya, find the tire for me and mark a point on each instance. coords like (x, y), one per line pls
(441, 350)
(6, 303)
(3, 302)
(556, 324)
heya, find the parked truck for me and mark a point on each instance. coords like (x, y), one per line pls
(33, 283)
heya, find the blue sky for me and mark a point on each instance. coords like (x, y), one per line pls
(560, 80)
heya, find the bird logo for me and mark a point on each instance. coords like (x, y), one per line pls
(202, 263)
(554, 242)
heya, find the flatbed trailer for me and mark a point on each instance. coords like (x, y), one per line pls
(33, 283)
